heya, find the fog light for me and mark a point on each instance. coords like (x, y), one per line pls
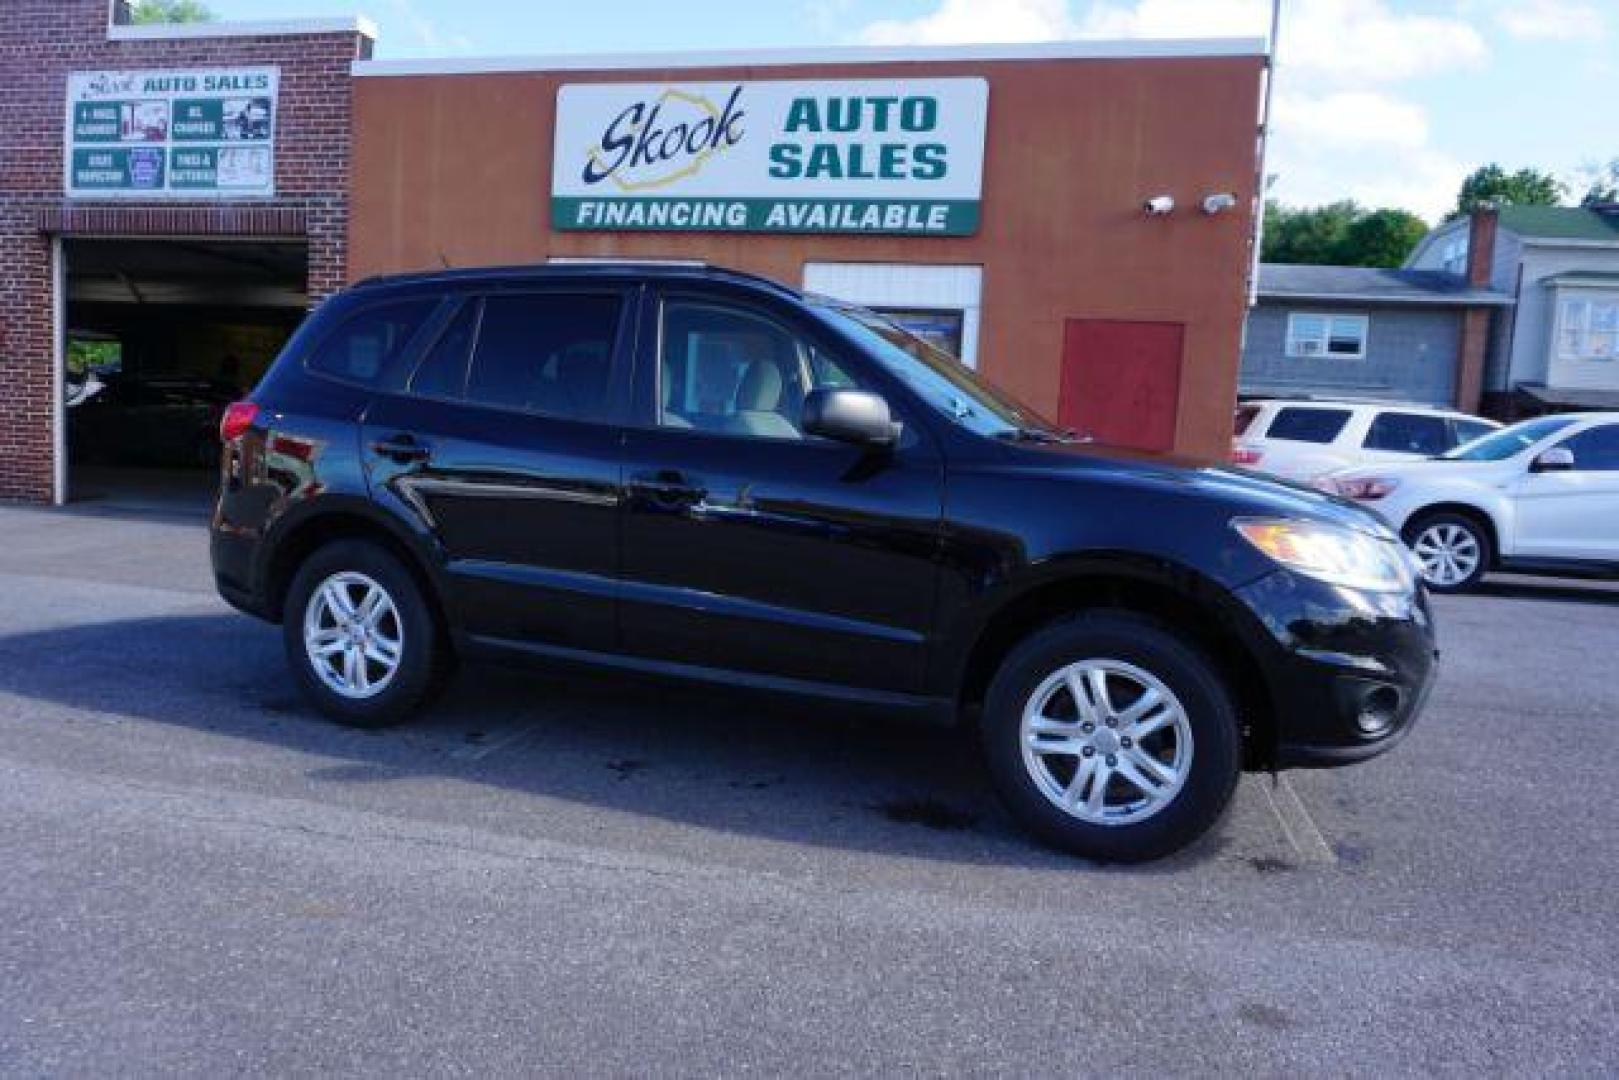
(1377, 710)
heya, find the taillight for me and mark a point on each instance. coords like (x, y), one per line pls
(239, 416)
(1242, 455)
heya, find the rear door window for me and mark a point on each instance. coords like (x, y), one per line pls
(1296, 424)
(1409, 433)
(546, 353)
(368, 346)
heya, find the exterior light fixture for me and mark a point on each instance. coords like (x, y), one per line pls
(1219, 202)
(1159, 206)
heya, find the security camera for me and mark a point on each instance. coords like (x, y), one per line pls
(1159, 206)
(1219, 201)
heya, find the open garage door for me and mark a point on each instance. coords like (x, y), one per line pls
(161, 335)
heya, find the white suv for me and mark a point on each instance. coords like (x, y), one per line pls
(1304, 440)
(1541, 496)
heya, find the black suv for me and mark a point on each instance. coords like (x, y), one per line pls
(700, 474)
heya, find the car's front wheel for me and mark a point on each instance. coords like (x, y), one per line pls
(1110, 736)
(1453, 550)
(359, 635)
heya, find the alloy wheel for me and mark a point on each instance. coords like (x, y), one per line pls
(353, 635)
(1449, 554)
(1106, 742)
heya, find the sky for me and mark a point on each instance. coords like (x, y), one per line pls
(1389, 102)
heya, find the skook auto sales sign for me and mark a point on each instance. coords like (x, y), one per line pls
(871, 156)
(195, 133)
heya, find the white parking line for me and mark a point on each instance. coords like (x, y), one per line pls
(1302, 833)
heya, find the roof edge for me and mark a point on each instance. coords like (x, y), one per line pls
(356, 24)
(1490, 299)
(1076, 49)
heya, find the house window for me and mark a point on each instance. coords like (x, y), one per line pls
(1588, 328)
(1339, 336)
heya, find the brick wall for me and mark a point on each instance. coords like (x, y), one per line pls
(41, 42)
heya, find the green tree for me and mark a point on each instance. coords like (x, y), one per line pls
(1603, 184)
(1493, 184)
(1343, 233)
(1381, 238)
(1307, 234)
(169, 11)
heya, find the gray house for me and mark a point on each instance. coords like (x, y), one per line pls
(1557, 346)
(1347, 331)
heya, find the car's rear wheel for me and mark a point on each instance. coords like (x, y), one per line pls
(1110, 736)
(360, 636)
(1452, 549)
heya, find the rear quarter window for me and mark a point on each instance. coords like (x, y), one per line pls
(1245, 418)
(368, 345)
(1295, 424)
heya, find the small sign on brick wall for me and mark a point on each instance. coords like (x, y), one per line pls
(195, 133)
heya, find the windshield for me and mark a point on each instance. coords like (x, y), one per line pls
(1503, 444)
(939, 378)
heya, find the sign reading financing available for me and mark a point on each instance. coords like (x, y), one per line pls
(893, 156)
(199, 133)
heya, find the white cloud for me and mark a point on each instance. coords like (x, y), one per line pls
(958, 21)
(1340, 40)
(1351, 118)
(1556, 20)
(427, 32)
(1335, 133)
(1309, 173)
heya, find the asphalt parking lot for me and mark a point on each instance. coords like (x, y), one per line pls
(200, 876)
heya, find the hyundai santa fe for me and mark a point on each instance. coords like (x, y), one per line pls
(697, 474)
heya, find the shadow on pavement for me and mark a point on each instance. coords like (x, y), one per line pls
(1567, 590)
(805, 774)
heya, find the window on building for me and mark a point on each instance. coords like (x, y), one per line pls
(938, 327)
(1297, 424)
(1340, 336)
(1454, 256)
(1588, 328)
(1596, 449)
(1408, 433)
(364, 348)
(546, 353)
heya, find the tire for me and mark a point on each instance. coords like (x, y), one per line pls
(1136, 655)
(406, 632)
(1429, 536)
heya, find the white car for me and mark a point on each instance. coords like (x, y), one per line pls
(1541, 496)
(1304, 440)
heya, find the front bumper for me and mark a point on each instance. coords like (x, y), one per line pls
(1349, 671)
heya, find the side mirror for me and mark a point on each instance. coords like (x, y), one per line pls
(1557, 459)
(849, 416)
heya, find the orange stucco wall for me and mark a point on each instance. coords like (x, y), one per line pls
(457, 168)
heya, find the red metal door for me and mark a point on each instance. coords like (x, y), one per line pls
(1121, 381)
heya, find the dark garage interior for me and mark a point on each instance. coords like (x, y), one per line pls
(162, 334)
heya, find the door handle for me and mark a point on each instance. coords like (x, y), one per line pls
(402, 448)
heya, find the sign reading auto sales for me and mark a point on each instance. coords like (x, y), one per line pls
(196, 133)
(872, 156)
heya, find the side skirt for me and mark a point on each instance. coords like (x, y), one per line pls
(941, 711)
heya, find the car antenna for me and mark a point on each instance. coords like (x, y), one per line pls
(445, 259)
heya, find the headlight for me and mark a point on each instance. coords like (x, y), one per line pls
(1365, 488)
(1330, 553)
